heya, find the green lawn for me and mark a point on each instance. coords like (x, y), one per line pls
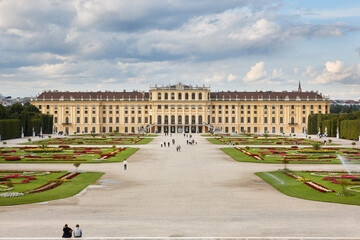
(293, 188)
(81, 158)
(278, 141)
(91, 141)
(65, 190)
(215, 141)
(291, 154)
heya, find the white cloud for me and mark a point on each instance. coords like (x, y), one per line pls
(216, 78)
(110, 80)
(232, 77)
(277, 73)
(337, 72)
(256, 73)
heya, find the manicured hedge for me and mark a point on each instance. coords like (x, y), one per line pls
(348, 124)
(10, 128)
(11, 124)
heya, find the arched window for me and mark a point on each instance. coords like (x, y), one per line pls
(172, 119)
(200, 119)
(150, 119)
(208, 119)
(159, 119)
(292, 120)
(166, 96)
(159, 96)
(200, 96)
(179, 96)
(166, 119)
(67, 120)
(193, 119)
(179, 119)
(193, 96)
(186, 96)
(186, 119)
(172, 96)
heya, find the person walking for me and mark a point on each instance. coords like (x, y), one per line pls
(168, 144)
(77, 232)
(67, 232)
(125, 164)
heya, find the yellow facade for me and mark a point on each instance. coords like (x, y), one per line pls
(181, 109)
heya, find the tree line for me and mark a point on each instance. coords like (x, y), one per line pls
(348, 124)
(26, 117)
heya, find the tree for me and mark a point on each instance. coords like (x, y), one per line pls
(343, 183)
(93, 134)
(3, 112)
(76, 165)
(266, 134)
(285, 162)
(15, 110)
(9, 183)
(316, 146)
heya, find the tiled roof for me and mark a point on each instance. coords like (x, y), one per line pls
(92, 96)
(215, 96)
(266, 96)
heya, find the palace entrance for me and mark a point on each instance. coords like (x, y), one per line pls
(178, 129)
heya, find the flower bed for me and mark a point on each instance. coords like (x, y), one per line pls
(309, 182)
(307, 150)
(12, 159)
(43, 150)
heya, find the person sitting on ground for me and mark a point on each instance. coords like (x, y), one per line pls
(67, 232)
(77, 231)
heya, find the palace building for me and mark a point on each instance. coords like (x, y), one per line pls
(181, 109)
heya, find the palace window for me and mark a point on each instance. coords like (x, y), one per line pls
(200, 96)
(193, 96)
(159, 96)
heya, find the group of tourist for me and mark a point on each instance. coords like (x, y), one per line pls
(68, 232)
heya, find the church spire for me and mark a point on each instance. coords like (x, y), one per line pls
(299, 88)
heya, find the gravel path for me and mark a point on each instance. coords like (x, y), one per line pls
(197, 192)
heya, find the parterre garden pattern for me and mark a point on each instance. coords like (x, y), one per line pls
(262, 141)
(92, 141)
(18, 187)
(327, 186)
(293, 154)
(64, 154)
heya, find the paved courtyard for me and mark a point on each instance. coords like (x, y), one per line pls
(197, 192)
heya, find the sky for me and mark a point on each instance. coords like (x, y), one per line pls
(236, 45)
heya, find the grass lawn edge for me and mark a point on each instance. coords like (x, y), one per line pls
(297, 194)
